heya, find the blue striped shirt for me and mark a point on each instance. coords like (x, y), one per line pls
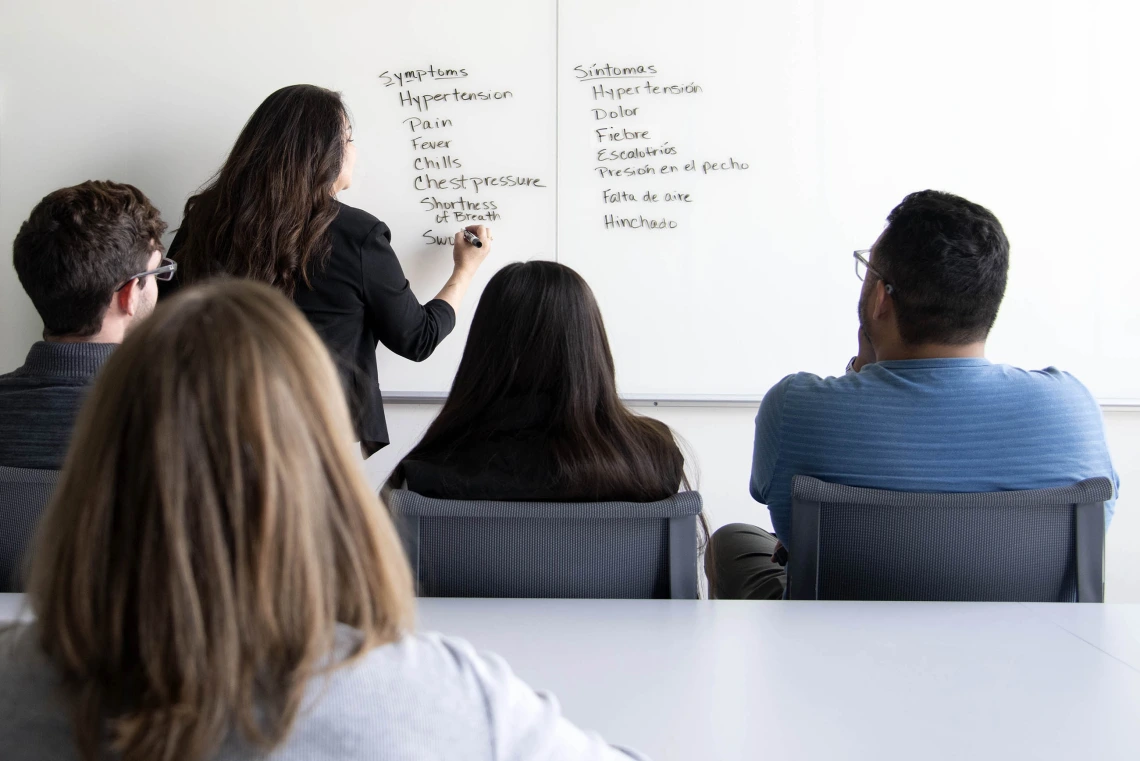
(941, 425)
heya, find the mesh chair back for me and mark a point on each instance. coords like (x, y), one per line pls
(1043, 545)
(461, 548)
(24, 493)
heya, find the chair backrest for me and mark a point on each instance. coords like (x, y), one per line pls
(1042, 545)
(24, 493)
(461, 548)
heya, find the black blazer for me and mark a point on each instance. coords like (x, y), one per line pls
(359, 298)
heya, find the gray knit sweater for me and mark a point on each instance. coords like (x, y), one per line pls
(424, 698)
(40, 400)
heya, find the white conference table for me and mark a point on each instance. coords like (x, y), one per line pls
(830, 681)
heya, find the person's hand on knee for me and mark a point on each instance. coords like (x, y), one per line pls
(780, 554)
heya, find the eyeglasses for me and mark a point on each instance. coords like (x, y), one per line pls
(863, 265)
(164, 271)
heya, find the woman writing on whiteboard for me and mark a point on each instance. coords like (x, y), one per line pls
(271, 214)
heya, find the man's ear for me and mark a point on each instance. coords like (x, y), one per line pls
(884, 306)
(126, 299)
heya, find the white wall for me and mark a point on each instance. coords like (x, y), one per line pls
(721, 446)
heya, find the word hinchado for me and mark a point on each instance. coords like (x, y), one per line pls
(638, 223)
(431, 72)
(423, 102)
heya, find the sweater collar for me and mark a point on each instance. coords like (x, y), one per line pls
(72, 360)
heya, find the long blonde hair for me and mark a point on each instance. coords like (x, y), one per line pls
(211, 527)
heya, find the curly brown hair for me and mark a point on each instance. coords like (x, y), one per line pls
(77, 245)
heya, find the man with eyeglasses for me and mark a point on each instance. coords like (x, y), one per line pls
(920, 408)
(88, 257)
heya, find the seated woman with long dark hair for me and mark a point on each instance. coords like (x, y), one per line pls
(215, 579)
(534, 413)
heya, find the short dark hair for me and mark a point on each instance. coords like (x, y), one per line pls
(77, 245)
(948, 260)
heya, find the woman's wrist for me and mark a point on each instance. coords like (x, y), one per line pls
(463, 271)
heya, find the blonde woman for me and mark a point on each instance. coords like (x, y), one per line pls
(216, 580)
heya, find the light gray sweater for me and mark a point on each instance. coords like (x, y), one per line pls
(425, 697)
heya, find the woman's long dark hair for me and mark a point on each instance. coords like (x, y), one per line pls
(265, 215)
(537, 340)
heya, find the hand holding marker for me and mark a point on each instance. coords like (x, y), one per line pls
(471, 247)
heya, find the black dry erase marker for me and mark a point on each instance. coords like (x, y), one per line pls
(473, 239)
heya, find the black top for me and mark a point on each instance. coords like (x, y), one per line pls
(40, 401)
(509, 465)
(514, 463)
(359, 298)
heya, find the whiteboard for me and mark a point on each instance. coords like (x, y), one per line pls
(155, 93)
(841, 108)
(837, 108)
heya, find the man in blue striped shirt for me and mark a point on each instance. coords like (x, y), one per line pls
(920, 408)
